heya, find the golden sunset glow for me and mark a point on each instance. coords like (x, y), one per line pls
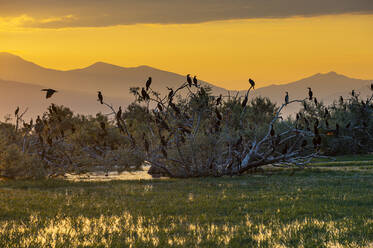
(225, 53)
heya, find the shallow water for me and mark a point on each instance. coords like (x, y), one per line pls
(113, 175)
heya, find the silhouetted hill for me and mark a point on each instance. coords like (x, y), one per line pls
(112, 80)
(78, 87)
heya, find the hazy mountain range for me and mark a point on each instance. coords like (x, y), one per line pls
(21, 82)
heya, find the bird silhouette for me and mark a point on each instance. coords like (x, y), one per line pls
(371, 86)
(353, 93)
(326, 113)
(100, 97)
(195, 81)
(341, 99)
(287, 98)
(16, 112)
(244, 102)
(252, 83)
(148, 83)
(310, 93)
(144, 95)
(315, 101)
(189, 80)
(50, 92)
(160, 108)
(119, 113)
(218, 100)
(170, 94)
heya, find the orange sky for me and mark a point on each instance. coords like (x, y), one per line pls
(225, 53)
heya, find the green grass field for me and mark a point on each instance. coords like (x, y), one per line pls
(309, 208)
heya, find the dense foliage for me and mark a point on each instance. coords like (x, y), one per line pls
(187, 133)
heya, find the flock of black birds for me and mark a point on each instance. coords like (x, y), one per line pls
(194, 82)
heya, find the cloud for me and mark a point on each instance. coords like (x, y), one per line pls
(95, 13)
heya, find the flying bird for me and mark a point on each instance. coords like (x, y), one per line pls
(310, 93)
(252, 83)
(287, 98)
(50, 92)
(100, 97)
(148, 83)
(189, 80)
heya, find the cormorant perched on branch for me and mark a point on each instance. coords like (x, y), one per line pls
(144, 95)
(353, 93)
(50, 92)
(252, 83)
(189, 80)
(341, 99)
(148, 83)
(244, 102)
(326, 114)
(310, 93)
(160, 108)
(287, 98)
(100, 97)
(119, 113)
(315, 101)
(371, 86)
(218, 100)
(170, 94)
(195, 81)
(16, 112)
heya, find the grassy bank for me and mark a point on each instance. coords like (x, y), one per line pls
(310, 208)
